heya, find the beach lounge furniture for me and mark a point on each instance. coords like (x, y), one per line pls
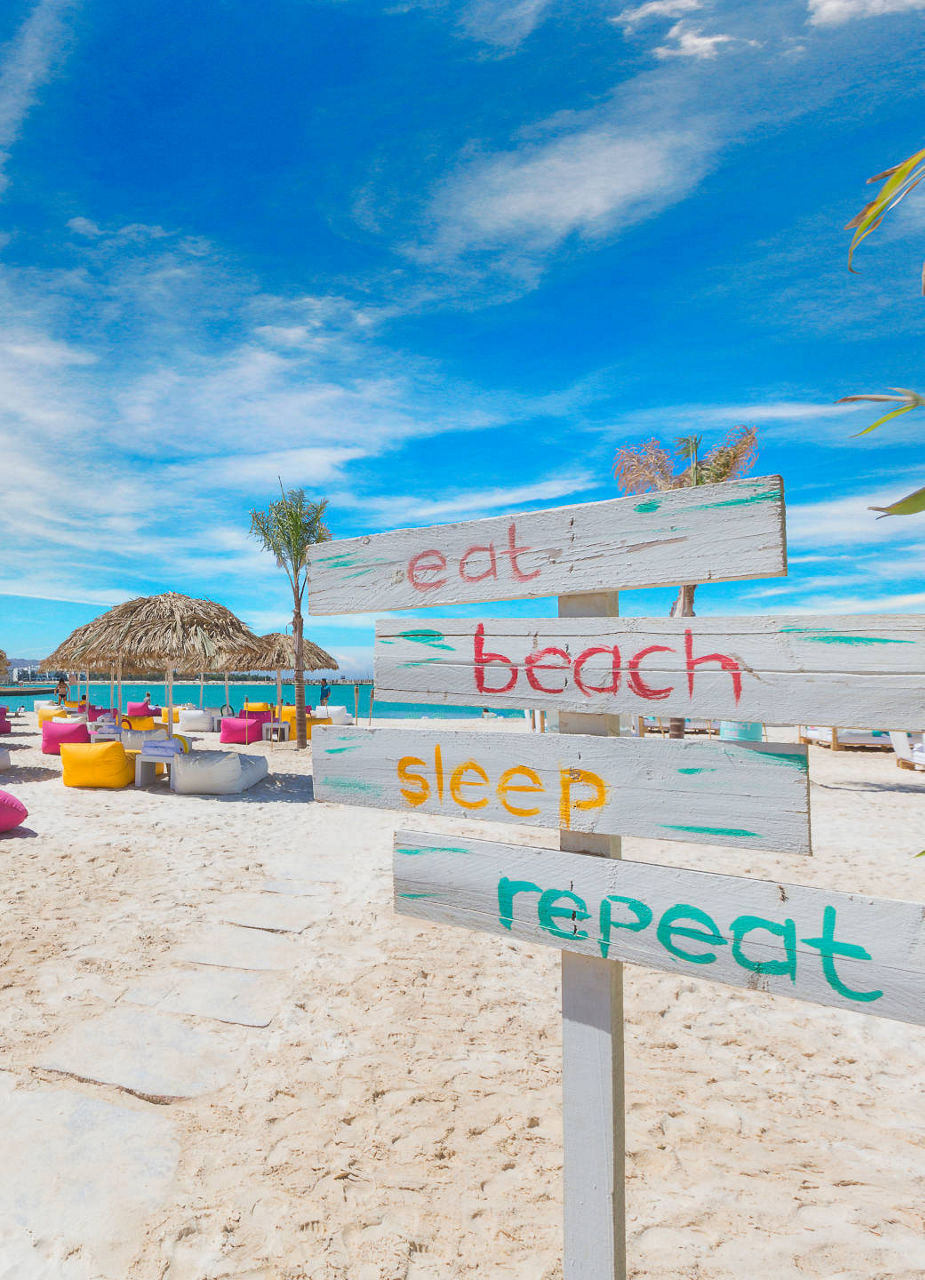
(909, 748)
(138, 722)
(4, 759)
(50, 711)
(216, 773)
(338, 715)
(96, 764)
(103, 730)
(141, 709)
(156, 755)
(195, 720)
(56, 732)
(839, 739)
(135, 739)
(5, 726)
(244, 729)
(12, 811)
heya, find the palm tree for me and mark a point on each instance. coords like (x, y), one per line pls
(651, 466)
(287, 529)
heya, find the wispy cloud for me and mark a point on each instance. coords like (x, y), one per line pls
(637, 15)
(684, 40)
(504, 24)
(834, 12)
(25, 65)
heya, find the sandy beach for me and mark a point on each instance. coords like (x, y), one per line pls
(224, 1056)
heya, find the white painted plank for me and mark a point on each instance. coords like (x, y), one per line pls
(714, 533)
(845, 950)
(593, 1095)
(753, 797)
(867, 670)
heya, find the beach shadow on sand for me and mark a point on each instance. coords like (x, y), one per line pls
(19, 833)
(906, 788)
(31, 773)
(280, 788)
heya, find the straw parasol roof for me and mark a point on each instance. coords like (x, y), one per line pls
(276, 652)
(152, 633)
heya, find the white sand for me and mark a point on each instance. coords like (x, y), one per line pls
(398, 1118)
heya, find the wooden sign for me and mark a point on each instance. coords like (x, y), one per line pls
(753, 797)
(794, 670)
(713, 533)
(839, 949)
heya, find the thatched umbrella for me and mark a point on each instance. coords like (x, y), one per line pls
(169, 632)
(276, 652)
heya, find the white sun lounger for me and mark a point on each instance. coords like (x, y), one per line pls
(909, 748)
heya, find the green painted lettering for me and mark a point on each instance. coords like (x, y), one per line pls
(788, 931)
(828, 948)
(507, 892)
(667, 930)
(642, 912)
(549, 913)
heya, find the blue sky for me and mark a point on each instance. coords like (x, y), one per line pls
(435, 261)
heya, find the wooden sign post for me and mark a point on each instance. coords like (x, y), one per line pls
(592, 667)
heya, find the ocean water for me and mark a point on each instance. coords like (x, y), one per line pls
(259, 691)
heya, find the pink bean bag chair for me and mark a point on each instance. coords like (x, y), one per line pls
(240, 729)
(95, 713)
(262, 717)
(5, 726)
(141, 709)
(54, 732)
(12, 811)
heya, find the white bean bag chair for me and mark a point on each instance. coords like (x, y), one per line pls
(339, 715)
(193, 720)
(216, 773)
(4, 759)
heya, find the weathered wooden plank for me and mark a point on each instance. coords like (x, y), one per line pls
(752, 797)
(845, 950)
(714, 533)
(783, 670)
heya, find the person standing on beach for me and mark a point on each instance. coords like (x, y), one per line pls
(62, 691)
(325, 693)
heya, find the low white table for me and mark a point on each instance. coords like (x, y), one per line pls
(275, 731)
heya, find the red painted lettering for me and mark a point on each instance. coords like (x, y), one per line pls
(636, 682)
(728, 664)
(483, 659)
(535, 663)
(582, 658)
(513, 551)
(426, 562)
(490, 572)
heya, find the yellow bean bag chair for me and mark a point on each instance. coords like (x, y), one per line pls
(288, 717)
(259, 706)
(138, 722)
(49, 713)
(96, 764)
(176, 715)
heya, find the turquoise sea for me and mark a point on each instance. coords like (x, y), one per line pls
(259, 691)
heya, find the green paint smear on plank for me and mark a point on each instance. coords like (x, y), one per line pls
(419, 662)
(764, 495)
(822, 637)
(434, 639)
(644, 507)
(419, 895)
(711, 831)
(336, 751)
(342, 560)
(696, 771)
(414, 850)
(351, 784)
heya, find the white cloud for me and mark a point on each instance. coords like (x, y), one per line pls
(833, 12)
(653, 10)
(505, 25)
(413, 509)
(691, 43)
(27, 62)
(847, 521)
(590, 183)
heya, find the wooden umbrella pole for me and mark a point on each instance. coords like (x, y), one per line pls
(356, 702)
(202, 681)
(227, 697)
(169, 702)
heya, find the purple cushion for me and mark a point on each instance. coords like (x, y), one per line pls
(54, 732)
(12, 811)
(239, 729)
